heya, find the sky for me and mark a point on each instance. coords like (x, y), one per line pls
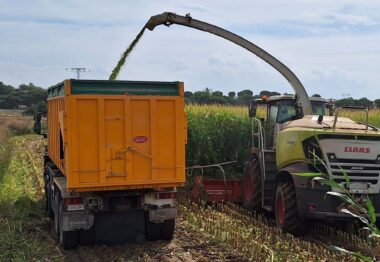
(332, 46)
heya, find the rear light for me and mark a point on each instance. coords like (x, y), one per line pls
(74, 204)
(312, 207)
(166, 195)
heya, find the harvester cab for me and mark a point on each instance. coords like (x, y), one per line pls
(280, 109)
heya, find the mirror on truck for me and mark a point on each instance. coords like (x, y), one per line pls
(37, 124)
(37, 127)
(252, 109)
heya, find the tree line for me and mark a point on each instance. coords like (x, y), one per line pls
(26, 97)
(207, 96)
(32, 99)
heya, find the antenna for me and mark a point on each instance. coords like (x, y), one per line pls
(78, 70)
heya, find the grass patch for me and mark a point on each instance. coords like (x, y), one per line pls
(23, 226)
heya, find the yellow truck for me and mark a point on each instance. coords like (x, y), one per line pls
(114, 158)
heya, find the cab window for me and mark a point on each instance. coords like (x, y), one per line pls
(318, 108)
(286, 113)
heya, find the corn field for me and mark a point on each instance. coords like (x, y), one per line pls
(217, 134)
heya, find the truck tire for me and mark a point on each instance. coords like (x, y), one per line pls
(67, 239)
(167, 230)
(286, 212)
(152, 230)
(48, 198)
(48, 202)
(57, 201)
(87, 237)
(252, 186)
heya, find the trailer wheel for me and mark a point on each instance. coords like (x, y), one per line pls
(87, 237)
(67, 239)
(152, 230)
(48, 204)
(167, 230)
(48, 198)
(57, 201)
(286, 212)
(252, 186)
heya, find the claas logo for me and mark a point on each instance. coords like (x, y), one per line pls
(353, 149)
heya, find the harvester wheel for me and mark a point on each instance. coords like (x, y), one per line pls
(167, 230)
(287, 217)
(252, 186)
(67, 239)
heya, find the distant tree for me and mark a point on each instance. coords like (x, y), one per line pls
(231, 94)
(345, 102)
(365, 102)
(5, 89)
(217, 93)
(268, 93)
(377, 103)
(244, 97)
(316, 95)
(188, 94)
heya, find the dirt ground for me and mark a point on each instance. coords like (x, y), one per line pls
(187, 245)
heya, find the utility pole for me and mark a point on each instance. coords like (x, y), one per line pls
(78, 70)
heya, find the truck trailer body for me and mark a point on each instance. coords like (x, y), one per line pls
(115, 155)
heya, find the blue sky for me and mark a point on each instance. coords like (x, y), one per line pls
(332, 46)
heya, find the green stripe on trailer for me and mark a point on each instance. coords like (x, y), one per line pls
(113, 87)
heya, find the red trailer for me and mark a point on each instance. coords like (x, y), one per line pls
(217, 191)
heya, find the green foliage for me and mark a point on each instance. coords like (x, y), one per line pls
(22, 225)
(353, 206)
(364, 102)
(217, 134)
(30, 96)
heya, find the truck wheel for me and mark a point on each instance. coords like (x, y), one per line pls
(48, 204)
(48, 198)
(167, 230)
(67, 239)
(87, 237)
(152, 230)
(286, 212)
(252, 186)
(57, 201)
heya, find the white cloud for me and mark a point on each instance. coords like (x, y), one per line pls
(327, 43)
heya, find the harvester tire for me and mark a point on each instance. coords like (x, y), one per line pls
(67, 239)
(167, 230)
(286, 212)
(252, 186)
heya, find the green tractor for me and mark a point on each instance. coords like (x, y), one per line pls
(286, 146)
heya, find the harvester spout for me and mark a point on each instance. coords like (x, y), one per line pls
(162, 19)
(168, 18)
